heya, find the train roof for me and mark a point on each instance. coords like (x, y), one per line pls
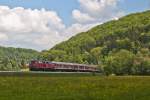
(73, 64)
(66, 63)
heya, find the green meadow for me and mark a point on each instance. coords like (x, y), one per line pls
(74, 87)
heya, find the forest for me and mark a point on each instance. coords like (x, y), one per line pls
(15, 59)
(120, 47)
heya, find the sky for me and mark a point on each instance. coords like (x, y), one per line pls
(41, 24)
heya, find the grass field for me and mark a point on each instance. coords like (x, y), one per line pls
(73, 87)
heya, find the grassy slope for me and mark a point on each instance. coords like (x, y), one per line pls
(74, 88)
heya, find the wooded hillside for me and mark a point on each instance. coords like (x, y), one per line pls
(15, 58)
(118, 46)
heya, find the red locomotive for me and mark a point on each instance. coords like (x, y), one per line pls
(61, 66)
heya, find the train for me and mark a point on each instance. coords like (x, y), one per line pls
(36, 65)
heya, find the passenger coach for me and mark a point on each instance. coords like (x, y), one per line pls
(61, 66)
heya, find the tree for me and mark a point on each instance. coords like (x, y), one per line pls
(119, 63)
(23, 64)
(124, 44)
(11, 58)
(96, 53)
(142, 62)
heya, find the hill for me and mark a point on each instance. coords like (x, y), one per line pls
(15, 58)
(118, 46)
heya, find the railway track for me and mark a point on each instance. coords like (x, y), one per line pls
(41, 73)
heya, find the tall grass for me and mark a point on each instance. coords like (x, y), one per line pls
(74, 88)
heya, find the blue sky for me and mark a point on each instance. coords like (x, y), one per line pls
(65, 7)
(55, 21)
(62, 7)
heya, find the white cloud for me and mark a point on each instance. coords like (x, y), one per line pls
(99, 10)
(81, 17)
(97, 6)
(3, 37)
(38, 28)
(42, 29)
(77, 28)
(92, 13)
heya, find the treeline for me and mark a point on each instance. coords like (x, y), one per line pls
(16, 58)
(119, 47)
